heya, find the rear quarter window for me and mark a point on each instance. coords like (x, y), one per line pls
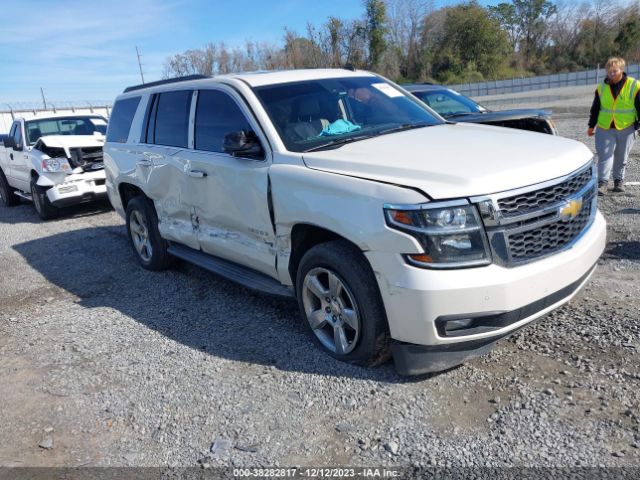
(121, 119)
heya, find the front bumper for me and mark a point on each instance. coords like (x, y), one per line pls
(413, 359)
(78, 188)
(498, 300)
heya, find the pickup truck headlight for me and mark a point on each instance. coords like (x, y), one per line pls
(56, 165)
(451, 233)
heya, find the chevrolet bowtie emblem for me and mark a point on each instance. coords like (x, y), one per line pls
(570, 210)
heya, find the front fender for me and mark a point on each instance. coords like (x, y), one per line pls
(350, 207)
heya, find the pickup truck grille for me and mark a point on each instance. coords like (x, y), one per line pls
(88, 158)
(542, 221)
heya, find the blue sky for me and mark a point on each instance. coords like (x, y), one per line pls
(82, 50)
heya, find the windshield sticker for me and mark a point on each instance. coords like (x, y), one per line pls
(387, 89)
(97, 121)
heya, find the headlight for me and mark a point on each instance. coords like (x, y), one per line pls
(450, 233)
(56, 165)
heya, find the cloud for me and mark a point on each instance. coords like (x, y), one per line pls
(80, 49)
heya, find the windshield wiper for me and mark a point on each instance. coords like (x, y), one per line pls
(338, 142)
(461, 114)
(406, 126)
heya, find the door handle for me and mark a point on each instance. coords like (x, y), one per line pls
(145, 163)
(11, 156)
(196, 173)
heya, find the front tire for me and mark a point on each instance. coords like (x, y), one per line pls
(41, 202)
(142, 228)
(8, 196)
(340, 303)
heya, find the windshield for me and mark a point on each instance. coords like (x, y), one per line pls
(448, 102)
(64, 126)
(317, 114)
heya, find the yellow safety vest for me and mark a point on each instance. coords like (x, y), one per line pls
(620, 110)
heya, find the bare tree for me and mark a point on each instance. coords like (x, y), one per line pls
(405, 20)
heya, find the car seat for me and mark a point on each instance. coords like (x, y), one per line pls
(306, 119)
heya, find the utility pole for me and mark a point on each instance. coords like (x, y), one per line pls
(139, 64)
(43, 100)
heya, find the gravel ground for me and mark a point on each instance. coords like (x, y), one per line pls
(105, 364)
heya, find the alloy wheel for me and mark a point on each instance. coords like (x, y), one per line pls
(331, 310)
(140, 235)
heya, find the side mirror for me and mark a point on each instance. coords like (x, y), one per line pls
(10, 142)
(243, 144)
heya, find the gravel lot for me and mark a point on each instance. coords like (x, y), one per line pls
(105, 364)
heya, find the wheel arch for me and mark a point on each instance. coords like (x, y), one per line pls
(305, 236)
(128, 191)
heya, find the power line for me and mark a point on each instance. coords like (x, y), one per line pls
(44, 102)
(139, 64)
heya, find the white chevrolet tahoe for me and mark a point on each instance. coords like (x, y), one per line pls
(399, 233)
(54, 161)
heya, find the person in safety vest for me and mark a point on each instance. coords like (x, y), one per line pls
(615, 112)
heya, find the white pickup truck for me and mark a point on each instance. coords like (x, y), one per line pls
(398, 232)
(54, 161)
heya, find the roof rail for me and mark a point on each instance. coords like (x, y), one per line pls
(163, 82)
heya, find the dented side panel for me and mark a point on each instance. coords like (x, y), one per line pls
(162, 169)
(231, 208)
(348, 206)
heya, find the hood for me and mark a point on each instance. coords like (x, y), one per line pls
(456, 160)
(502, 115)
(73, 141)
(67, 142)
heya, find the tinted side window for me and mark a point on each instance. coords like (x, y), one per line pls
(172, 119)
(216, 116)
(17, 135)
(121, 119)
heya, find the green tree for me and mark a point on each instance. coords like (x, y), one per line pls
(526, 22)
(628, 39)
(472, 45)
(505, 14)
(595, 44)
(376, 30)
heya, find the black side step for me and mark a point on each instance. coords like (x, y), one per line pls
(237, 273)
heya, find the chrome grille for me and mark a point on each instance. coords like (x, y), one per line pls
(549, 238)
(527, 225)
(532, 201)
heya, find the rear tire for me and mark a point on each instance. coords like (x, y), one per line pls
(8, 196)
(41, 202)
(148, 246)
(340, 303)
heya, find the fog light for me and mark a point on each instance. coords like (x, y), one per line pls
(459, 324)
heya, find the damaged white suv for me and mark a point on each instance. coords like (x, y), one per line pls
(54, 161)
(398, 232)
